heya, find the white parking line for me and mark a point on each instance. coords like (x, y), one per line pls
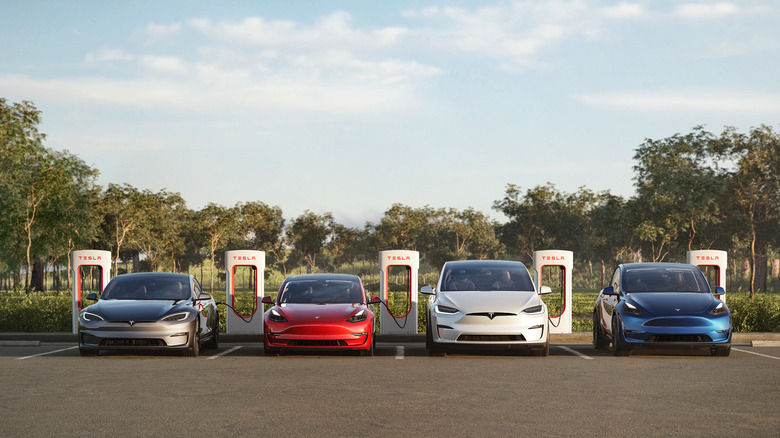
(48, 352)
(229, 350)
(757, 354)
(399, 352)
(584, 356)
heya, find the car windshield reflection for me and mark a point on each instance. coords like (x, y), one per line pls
(663, 279)
(146, 288)
(321, 292)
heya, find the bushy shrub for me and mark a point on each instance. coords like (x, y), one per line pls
(36, 312)
(761, 314)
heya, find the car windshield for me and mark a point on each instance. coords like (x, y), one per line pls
(147, 288)
(321, 292)
(514, 278)
(664, 279)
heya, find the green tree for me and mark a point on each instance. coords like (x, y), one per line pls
(262, 229)
(754, 186)
(308, 235)
(219, 225)
(678, 190)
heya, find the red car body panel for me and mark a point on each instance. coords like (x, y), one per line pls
(319, 326)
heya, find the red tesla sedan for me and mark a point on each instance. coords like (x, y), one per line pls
(320, 311)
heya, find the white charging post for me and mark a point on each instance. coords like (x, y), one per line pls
(715, 259)
(408, 262)
(255, 260)
(88, 258)
(563, 261)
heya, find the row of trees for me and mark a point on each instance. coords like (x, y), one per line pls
(693, 191)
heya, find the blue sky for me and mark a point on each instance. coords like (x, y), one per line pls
(351, 106)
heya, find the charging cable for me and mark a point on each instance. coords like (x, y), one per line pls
(236, 312)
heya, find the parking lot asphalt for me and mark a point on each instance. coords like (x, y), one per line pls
(10, 338)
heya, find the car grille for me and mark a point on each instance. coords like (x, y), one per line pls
(490, 338)
(679, 338)
(132, 342)
(316, 343)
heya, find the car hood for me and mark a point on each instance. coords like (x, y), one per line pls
(318, 312)
(136, 310)
(490, 301)
(673, 303)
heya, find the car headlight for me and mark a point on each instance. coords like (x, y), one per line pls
(175, 317)
(276, 316)
(447, 310)
(89, 316)
(362, 315)
(631, 309)
(534, 309)
(720, 309)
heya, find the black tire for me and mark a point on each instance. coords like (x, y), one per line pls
(370, 351)
(434, 349)
(618, 346)
(88, 352)
(721, 351)
(544, 351)
(600, 340)
(194, 348)
(213, 343)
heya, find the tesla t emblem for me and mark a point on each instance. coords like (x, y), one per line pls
(316, 317)
(491, 315)
(677, 310)
(131, 323)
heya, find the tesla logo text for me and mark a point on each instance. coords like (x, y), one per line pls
(712, 258)
(399, 257)
(553, 258)
(244, 258)
(91, 258)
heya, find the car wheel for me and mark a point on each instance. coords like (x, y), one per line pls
(600, 340)
(721, 351)
(213, 343)
(369, 352)
(433, 348)
(544, 351)
(194, 349)
(618, 346)
(86, 352)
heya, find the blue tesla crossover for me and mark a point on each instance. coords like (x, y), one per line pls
(665, 305)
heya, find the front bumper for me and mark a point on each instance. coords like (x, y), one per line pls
(104, 335)
(318, 336)
(479, 330)
(677, 331)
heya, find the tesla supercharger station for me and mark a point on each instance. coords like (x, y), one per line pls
(252, 259)
(711, 259)
(88, 258)
(563, 261)
(408, 262)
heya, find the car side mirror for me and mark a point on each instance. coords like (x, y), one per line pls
(374, 300)
(204, 296)
(92, 296)
(720, 291)
(609, 290)
(544, 290)
(267, 300)
(427, 290)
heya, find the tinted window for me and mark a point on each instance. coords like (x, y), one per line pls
(321, 292)
(152, 287)
(476, 276)
(664, 279)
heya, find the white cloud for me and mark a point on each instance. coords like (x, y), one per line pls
(110, 55)
(624, 10)
(163, 64)
(695, 11)
(668, 101)
(155, 30)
